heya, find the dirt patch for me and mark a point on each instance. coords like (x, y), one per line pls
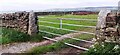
(22, 47)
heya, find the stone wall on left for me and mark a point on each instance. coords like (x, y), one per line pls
(18, 20)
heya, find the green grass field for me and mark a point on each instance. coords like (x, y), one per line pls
(53, 18)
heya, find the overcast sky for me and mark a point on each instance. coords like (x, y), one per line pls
(13, 5)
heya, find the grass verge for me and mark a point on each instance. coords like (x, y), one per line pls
(104, 49)
(11, 36)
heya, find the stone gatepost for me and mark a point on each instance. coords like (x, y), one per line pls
(108, 27)
(33, 26)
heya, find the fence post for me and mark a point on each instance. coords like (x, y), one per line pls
(60, 23)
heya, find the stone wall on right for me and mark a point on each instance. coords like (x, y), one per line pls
(108, 26)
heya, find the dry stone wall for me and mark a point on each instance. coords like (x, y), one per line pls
(20, 21)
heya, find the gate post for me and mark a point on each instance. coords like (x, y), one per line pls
(33, 26)
(108, 27)
(101, 25)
